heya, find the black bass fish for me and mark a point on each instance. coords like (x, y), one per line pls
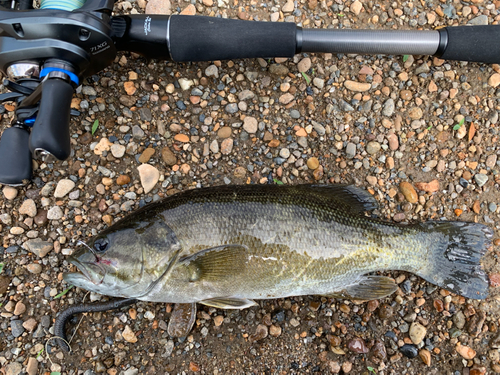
(227, 246)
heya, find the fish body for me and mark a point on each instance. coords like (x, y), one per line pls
(227, 246)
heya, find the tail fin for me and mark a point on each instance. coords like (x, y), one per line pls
(455, 260)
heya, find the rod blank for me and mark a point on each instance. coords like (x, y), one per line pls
(370, 42)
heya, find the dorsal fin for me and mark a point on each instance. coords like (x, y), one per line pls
(347, 197)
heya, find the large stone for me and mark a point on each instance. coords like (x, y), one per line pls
(16, 327)
(32, 367)
(185, 83)
(481, 179)
(158, 7)
(28, 208)
(55, 213)
(129, 335)
(409, 192)
(103, 145)
(118, 150)
(9, 193)
(13, 368)
(357, 86)
(38, 247)
(417, 332)
(373, 147)
(356, 7)
(304, 65)
(389, 108)
(494, 80)
(288, 7)
(63, 187)
(250, 124)
(226, 146)
(168, 156)
(212, 71)
(149, 176)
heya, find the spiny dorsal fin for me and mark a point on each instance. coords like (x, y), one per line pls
(217, 262)
(347, 197)
(229, 303)
(368, 288)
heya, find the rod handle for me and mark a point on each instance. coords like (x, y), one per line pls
(470, 43)
(209, 38)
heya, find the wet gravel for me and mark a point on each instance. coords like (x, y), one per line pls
(421, 134)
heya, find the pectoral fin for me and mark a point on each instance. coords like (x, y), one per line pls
(368, 288)
(216, 263)
(229, 303)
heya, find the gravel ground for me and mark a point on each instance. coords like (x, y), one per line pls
(385, 123)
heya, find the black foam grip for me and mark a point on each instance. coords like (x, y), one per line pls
(470, 43)
(198, 38)
(51, 128)
(15, 157)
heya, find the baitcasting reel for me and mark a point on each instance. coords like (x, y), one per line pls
(45, 53)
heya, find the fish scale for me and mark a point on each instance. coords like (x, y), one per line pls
(234, 244)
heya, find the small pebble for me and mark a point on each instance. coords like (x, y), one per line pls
(409, 350)
(9, 192)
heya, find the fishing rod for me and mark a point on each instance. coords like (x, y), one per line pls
(47, 52)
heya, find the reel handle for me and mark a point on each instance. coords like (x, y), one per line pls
(50, 134)
(16, 165)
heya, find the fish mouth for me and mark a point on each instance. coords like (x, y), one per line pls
(90, 272)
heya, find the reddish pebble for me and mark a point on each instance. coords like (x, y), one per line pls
(495, 280)
(372, 305)
(385, 311)
(409, 192)
(318, 173)
(275, 331)
(274, 143)
(476, 207)
(425, 355)
(123, 180)
(314, 305)
(378, 351)
(344, 308)
(478, 371)
(260, 333)
(428, 187)
(181, 138)
(194, 367)
(357, 346)
(334, 340)
(465, 351)
(438, 305)
(313, 163)
(346, 367)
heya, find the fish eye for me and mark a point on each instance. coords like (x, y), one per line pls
(101, 244)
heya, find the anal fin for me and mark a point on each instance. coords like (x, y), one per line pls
(229, 303)
(368, 288)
